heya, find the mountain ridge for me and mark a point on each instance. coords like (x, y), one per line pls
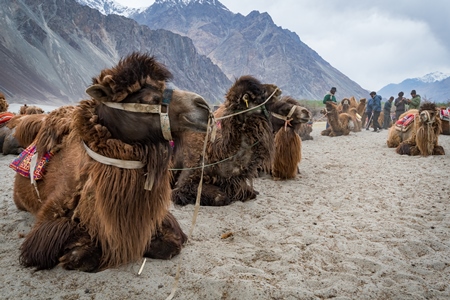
(434, 87)
(252, 44)
(52, 61)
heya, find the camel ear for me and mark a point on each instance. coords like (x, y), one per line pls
(99, 92)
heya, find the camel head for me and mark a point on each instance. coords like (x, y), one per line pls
(331, 107)
(133, 103)
(246, 93)
(428, 113)
(287, 112)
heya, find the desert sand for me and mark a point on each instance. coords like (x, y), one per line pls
(359, 222)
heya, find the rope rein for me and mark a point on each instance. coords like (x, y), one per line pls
(250, 109)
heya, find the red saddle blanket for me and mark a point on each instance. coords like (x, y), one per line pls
(444, 113)
(406, 120)
(404, 123)
(22, 163)
(5, 117)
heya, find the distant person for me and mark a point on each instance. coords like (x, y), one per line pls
(369, 111)
(414, 102)
(399, 103)
(330, 97)
(376, 111)
(387, 113)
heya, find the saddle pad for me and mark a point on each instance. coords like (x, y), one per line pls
(22, 163)
(5, 117)
(405, 123)
(406, 120)
(444, 113)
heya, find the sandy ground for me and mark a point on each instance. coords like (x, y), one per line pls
(360, 222)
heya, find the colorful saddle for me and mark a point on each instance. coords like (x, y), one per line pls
(24, 163)
(404, 123)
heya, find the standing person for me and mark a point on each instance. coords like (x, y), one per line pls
(330, 97)
(376, 111)
(387, 113)
(414, 102)
(399, 103)
(369, 109)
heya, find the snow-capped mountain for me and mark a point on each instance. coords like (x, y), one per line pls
(433, 77)
(433, 87)
(108, 7)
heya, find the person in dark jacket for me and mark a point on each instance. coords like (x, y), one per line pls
(376, 111)
(399, 103)
(387, 113)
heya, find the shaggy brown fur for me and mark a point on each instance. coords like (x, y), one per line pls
(93, 215)
(3, 103)
(30, 110)
(288, 144)
(28, 128)
(340, 124)
(243, 144)
(356, 119)
(288, 154)
(361, 110)
(422, 137)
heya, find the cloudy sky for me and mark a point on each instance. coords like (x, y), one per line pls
(373, 42)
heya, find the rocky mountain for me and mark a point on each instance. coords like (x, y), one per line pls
(250, 44)
(50, 50)
(108, 7)
(434, 87)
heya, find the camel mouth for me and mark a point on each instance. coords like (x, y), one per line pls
(198, 122)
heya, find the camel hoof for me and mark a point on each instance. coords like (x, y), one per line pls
(81, 258)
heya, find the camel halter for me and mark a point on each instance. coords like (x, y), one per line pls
(287, 119)
(150, 109)
(142, 108)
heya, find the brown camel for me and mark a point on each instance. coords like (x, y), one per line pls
(287, 118)
(420, 137)
(356, 119)
(105, 197)
(340, 123)
(243, 144)
(361, 109)
(29, 110)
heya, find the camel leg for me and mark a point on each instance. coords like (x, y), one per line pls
(404, 149)
(81, 252)
(211, 195)
(438, 150)
(168, 240)
(326, 132)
